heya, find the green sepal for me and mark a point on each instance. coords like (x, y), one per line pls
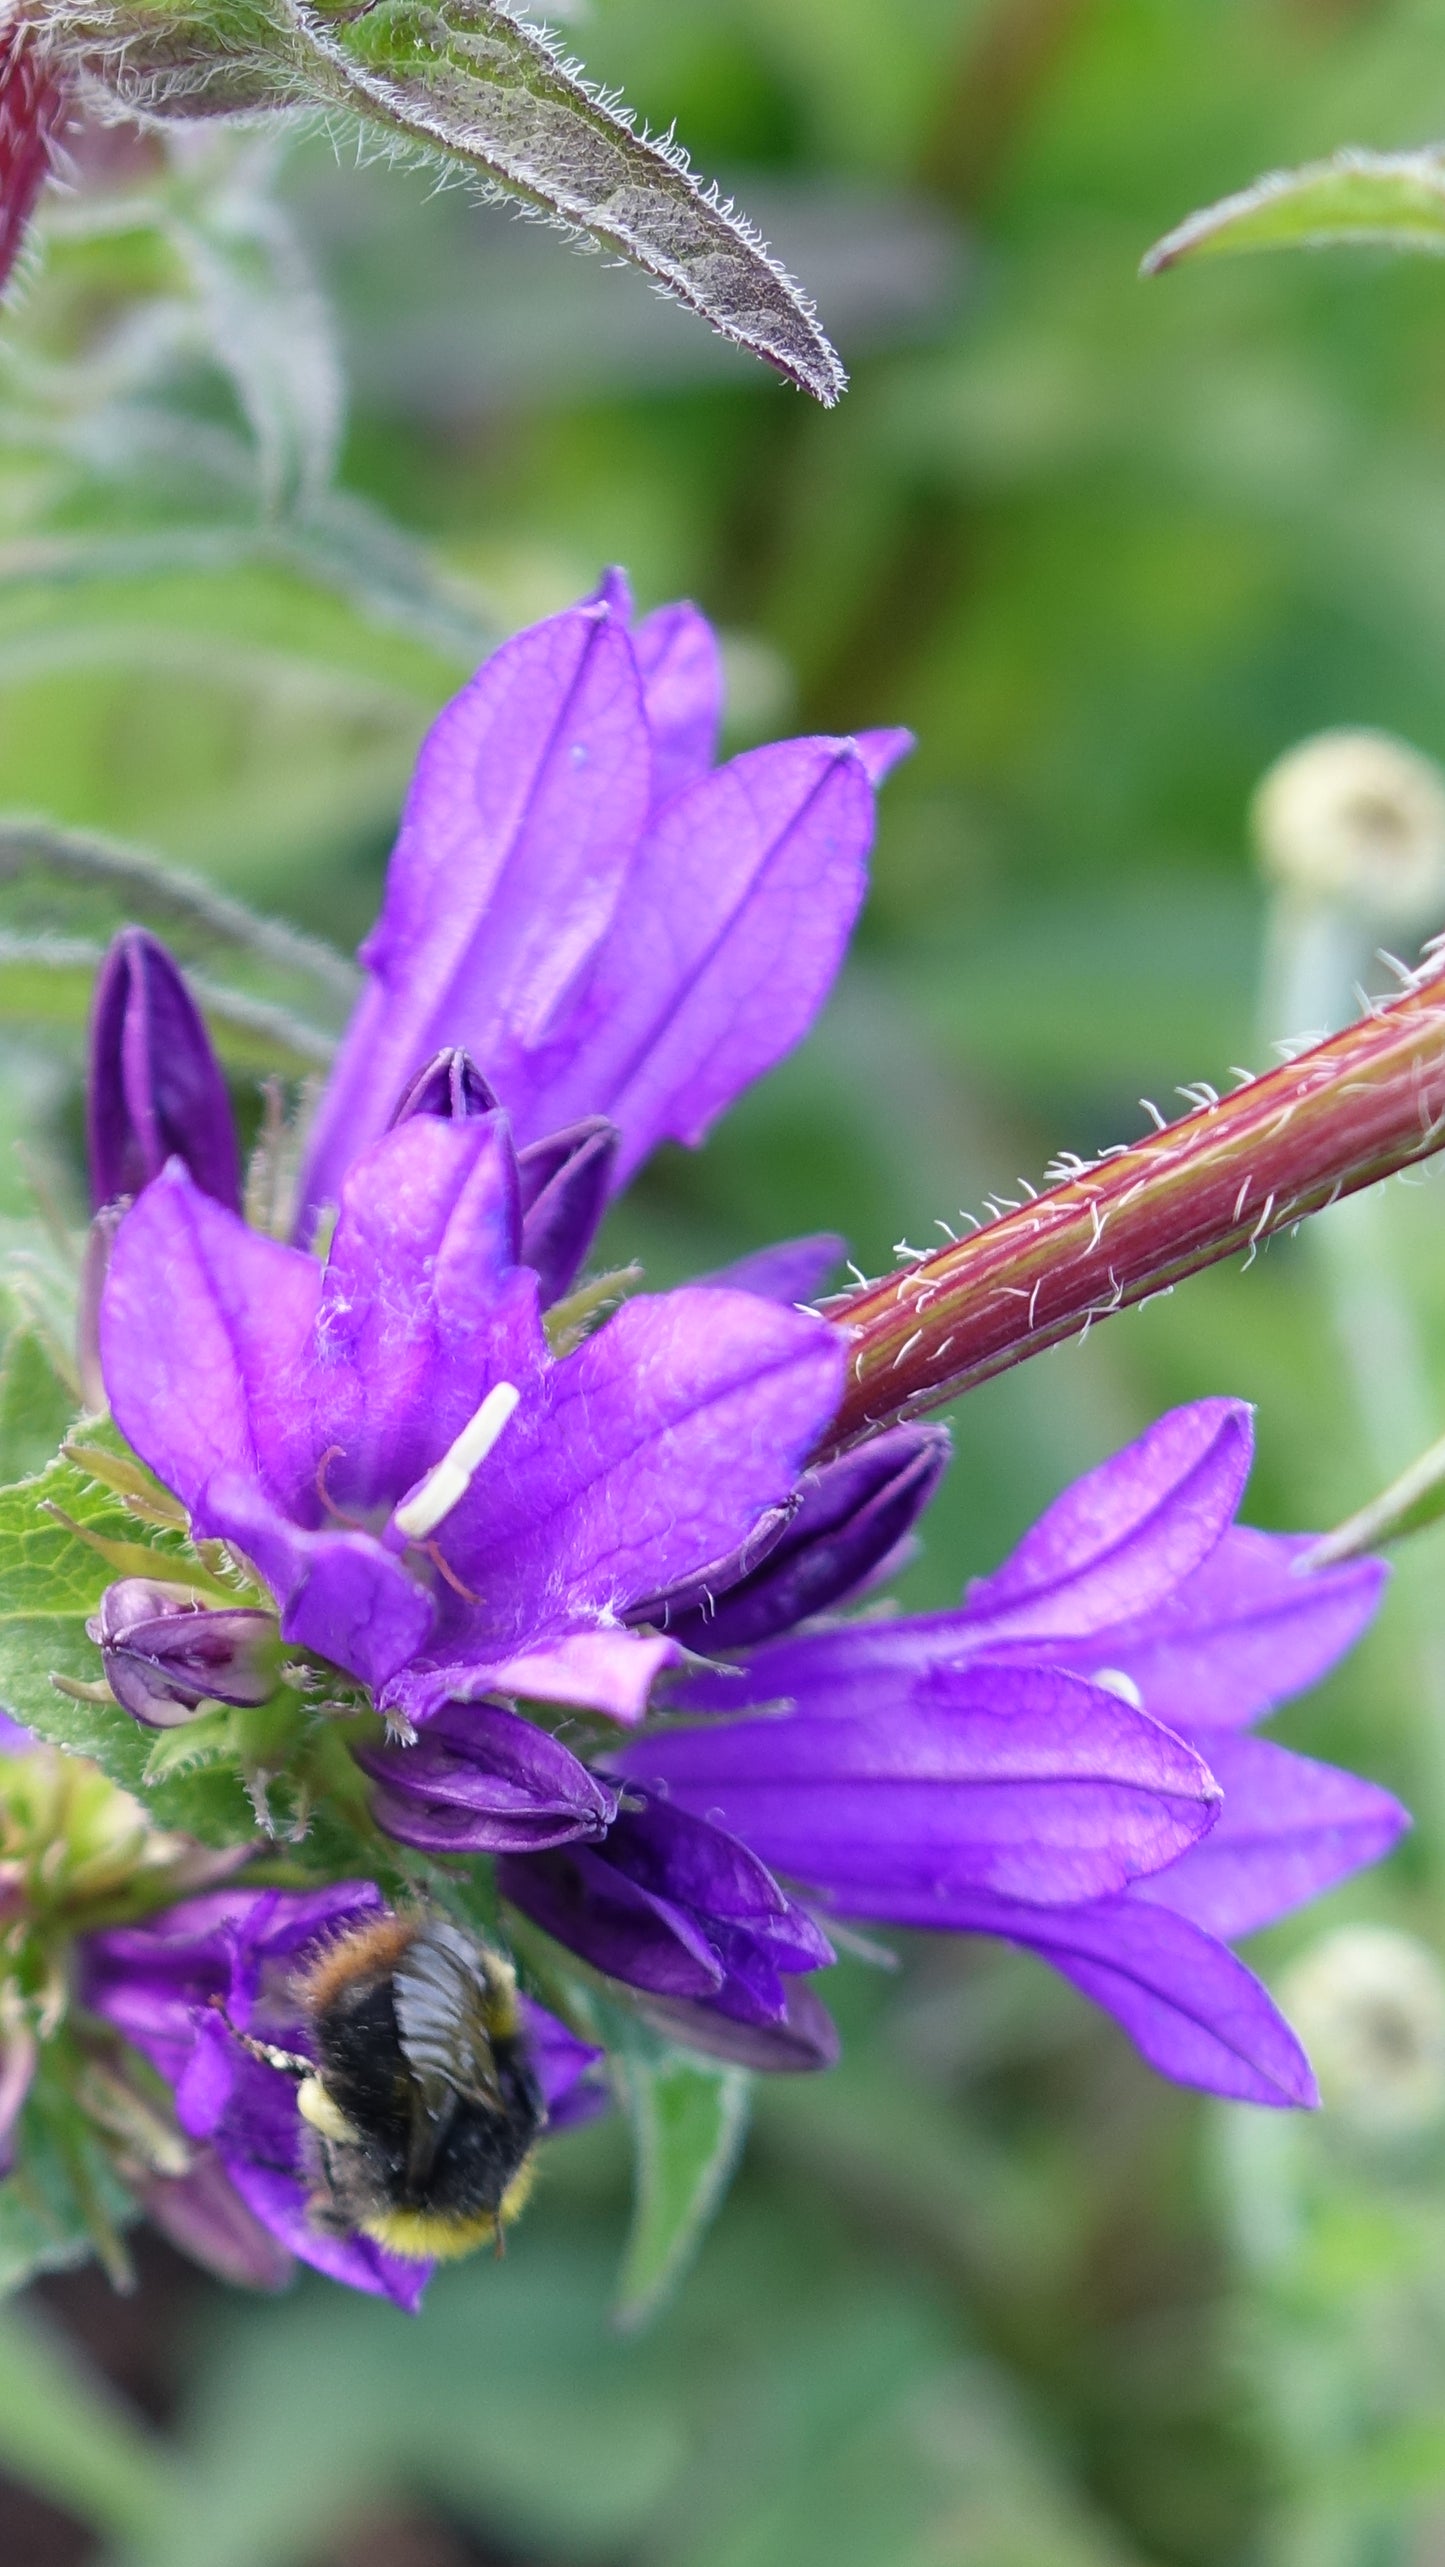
(689, 2117)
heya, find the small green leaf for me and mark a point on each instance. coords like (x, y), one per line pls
(1415, 1499)
(1397, 198)
(688, 2122)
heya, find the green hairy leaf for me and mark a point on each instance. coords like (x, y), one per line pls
(688, 2123)
(51, 1577)
(1397, 198)
(474, 81)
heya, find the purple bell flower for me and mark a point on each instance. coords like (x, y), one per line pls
(606, 922)
(437, 1504)
(166, 1650)
(155, 1090)
(184, 1984)
(949, 1772)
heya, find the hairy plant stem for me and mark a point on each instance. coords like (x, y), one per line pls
(1354, 1109)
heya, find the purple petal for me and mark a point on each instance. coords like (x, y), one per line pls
(571, 2073)
(881, 751)
(653, 1446)
(279, 2203)
(608, 1671)
(622, 1929)
(528, 799)
(1125, 1535)
(424, 1307)
(853, 1515)
(480, 1780)
(202, 2213)
(737, 912)
(1289, 1830)
(1020, 1780)
(339, 1594)
(204, 1328)
(681, 670)
(155, 1088)
(793, 1271)
(1197, 2014)
(565, 1183)
(1245, 1631)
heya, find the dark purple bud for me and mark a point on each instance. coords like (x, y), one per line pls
(481, 1780)
(167, 1650)
(565, 1180)
(156, 1090)
(673, 1905)
(806, 2038)
(451, 1086)
(853, 1518)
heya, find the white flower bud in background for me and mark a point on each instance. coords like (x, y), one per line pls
(1369, 2005)
(1356, 820)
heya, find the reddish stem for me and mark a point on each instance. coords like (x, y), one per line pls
(32, 103)
(1356, 1108)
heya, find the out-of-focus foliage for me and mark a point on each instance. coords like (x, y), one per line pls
(990, 2295)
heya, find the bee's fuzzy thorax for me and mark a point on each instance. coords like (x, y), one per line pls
(374, 1947)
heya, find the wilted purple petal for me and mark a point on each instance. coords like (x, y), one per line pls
(1125, 1535)
(1020, 1780)
(565, 1183)
(155, 1089)
(794, 1270)
(529, 796)
(1289, 1830)
(481, 1780)
(852, 1516)
(1247, 1629)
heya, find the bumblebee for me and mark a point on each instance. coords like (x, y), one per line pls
(421, 2105)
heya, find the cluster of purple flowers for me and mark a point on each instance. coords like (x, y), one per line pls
(593, 938)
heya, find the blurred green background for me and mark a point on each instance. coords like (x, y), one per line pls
(991, 2295)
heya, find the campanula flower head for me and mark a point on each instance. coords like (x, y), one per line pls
(584, 1602)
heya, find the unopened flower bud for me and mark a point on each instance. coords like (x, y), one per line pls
(850, 1527)
(166, 1651)
(1369, 2005)
(1356, 819)
(155, 1090)
(450, 1086)
(565, 1182)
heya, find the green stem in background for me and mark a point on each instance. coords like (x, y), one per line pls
(1226, 1178)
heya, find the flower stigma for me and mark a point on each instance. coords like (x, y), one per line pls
(448, 1481)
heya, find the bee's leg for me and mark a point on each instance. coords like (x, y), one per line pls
(290, 2062)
